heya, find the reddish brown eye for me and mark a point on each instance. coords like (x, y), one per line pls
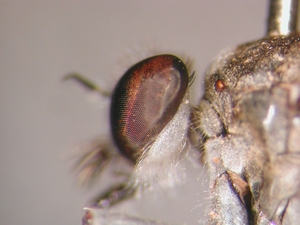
(219, 85)
(144, 101)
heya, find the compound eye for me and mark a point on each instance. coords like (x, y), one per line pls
(220, 85)
(144, 101)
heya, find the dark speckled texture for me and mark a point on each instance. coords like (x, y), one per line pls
(251, 133)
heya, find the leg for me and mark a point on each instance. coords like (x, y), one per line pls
(114, 195)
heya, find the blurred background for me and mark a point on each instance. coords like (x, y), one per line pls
(43, 118)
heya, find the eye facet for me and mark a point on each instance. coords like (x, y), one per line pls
(219, 85)
(144, 101)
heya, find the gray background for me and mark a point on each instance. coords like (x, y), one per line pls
(42, 117)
